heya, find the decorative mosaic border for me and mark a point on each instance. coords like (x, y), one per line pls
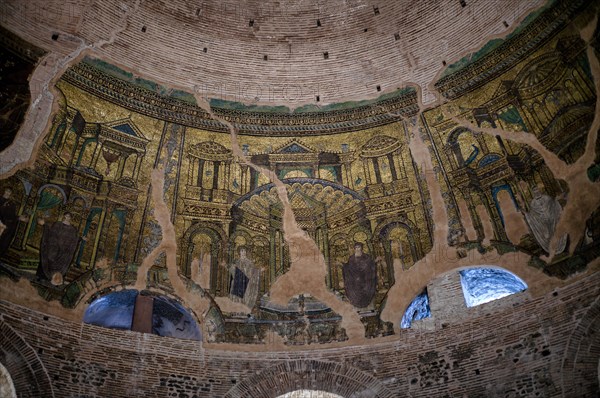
(512, 51)
(147, 102)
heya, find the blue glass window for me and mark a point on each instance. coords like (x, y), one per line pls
(418, 309)
(115, 310)
(169, 318)
(482, 285)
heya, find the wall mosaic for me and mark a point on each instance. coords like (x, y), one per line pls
(81, 222)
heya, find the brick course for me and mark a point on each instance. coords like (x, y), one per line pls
(521, 347)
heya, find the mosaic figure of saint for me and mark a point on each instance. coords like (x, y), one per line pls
(245, 277)
(59, 243)
(8, 220)
(360, 277)
(542, 218)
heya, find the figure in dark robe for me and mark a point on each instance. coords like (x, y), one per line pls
(360, 278)
(59, 243)
(245, 278)
(8, 220)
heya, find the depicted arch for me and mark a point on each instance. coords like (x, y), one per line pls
(579, 370)
(7, 387)
(454, 150)
(219, 241)
(339, 249)
(290, 376)
(46, 203)
(298, 180)
(28, 373)
(496, 189)
(410, 250)
(488, 159)
(43, 187)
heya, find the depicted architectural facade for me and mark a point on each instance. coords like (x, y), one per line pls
(439, 238)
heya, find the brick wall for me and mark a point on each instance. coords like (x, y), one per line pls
(369, 44)
(520, 348)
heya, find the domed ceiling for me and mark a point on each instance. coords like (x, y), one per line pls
(294, 173)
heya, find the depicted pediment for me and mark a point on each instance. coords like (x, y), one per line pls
(126, 126)
(292, 147)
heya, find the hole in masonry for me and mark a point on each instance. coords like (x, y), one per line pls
(55, 36)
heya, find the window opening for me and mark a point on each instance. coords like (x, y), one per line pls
(417, 309)
(482, 285)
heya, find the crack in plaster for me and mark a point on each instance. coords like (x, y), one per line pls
(22, 151)
(307, 273)
(583, 195)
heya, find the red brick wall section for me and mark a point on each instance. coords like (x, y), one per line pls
(532, 347)
(580, 363)
(310, 375)
(28, 374)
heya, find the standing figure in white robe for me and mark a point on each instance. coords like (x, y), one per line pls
(542, 218)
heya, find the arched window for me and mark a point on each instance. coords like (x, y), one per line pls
(7, 388)
(482, 285)
(309, 394)
(115, 310)
(417, 309)
(162, 315)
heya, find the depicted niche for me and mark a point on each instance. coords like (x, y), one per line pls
(417, 309)
(482, 285)
(157, 314)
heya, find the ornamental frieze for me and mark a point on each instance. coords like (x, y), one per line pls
(512, 51)
(205, 210)
(388, 203)
(144, 101)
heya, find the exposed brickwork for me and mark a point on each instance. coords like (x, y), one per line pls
(23, 364)
(582, 356)
(165, 41)
(515, 347)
